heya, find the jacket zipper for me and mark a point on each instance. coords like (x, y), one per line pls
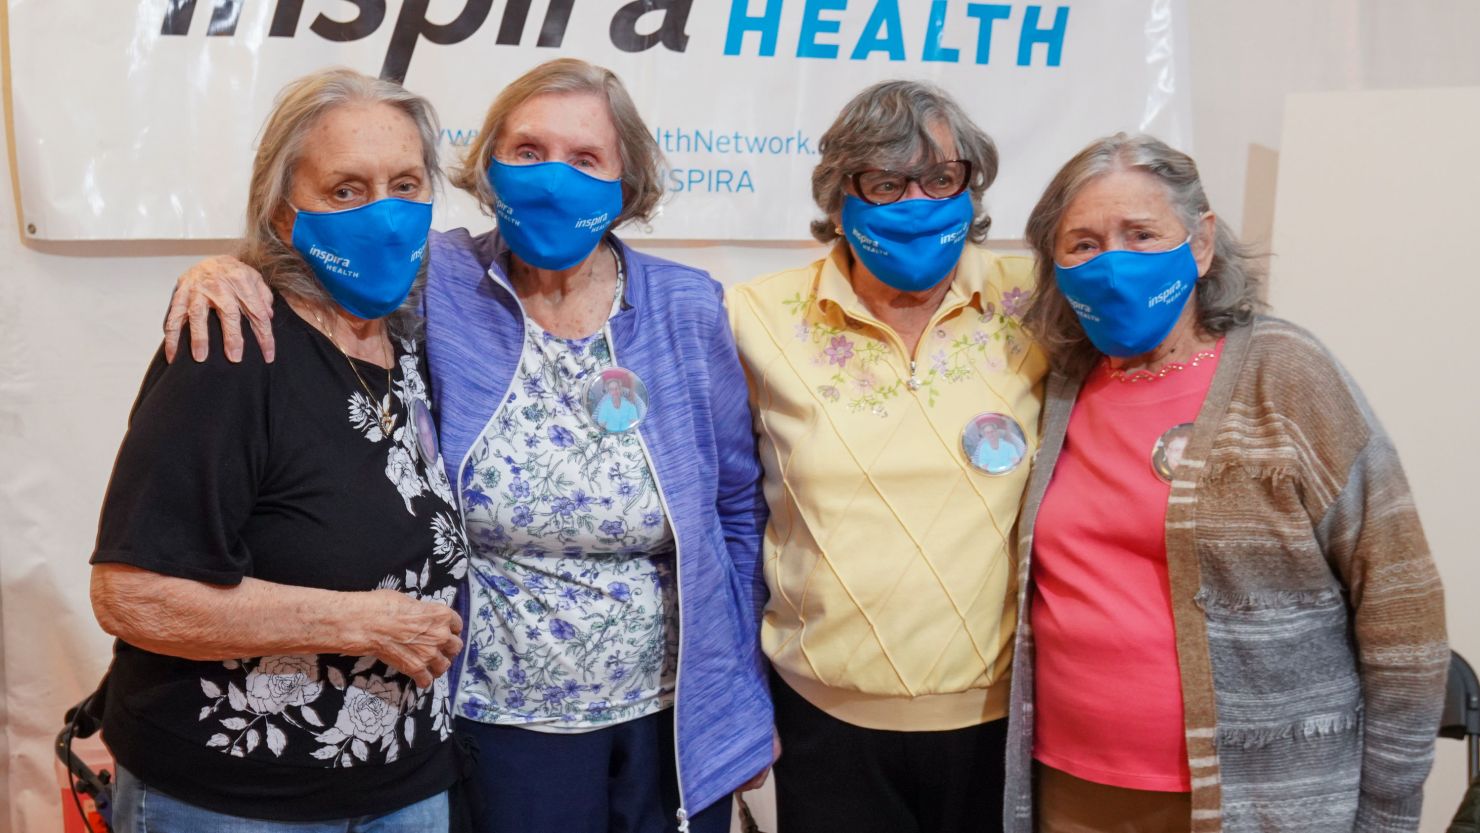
(682, 815)
(913, 383)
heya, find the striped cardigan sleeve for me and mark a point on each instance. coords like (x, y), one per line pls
(1372, 537)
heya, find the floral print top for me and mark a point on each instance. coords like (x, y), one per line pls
(308, 473)
(574, 623)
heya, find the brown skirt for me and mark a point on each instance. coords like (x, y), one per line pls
(1072, 805)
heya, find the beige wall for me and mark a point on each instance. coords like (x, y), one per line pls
(78, 324)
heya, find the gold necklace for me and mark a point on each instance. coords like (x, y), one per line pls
(387, 419)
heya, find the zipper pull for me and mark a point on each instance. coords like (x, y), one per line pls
(914, 381)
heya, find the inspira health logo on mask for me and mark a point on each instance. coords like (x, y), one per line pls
(597, 223)
(1166, 296)
(332, 262)
(954, 236)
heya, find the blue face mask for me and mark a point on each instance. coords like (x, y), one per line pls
(910, 245)
(552, 214)
(1128, 302)
(366, 257)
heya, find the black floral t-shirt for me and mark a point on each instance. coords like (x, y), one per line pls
(287, 472)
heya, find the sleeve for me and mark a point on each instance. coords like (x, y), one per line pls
(1373, 538)
(186, 476)
(741, 501)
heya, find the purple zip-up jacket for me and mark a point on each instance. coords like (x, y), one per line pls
(672, 331)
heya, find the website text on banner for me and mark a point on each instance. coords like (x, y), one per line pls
(123, 110)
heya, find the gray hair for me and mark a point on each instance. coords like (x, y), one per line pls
(280, 147)
(1227, 296)
(642, 160)
(888, 126)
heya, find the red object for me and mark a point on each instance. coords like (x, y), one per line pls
(92, 752)
(1108, 699)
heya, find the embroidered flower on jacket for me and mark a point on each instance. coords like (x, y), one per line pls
(839, 351)
(1013, 301)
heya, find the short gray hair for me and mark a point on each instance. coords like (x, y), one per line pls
(280, 147)
(642, 160)
(888, 126)
(1227, 296)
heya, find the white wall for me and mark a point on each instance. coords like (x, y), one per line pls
(78, 324)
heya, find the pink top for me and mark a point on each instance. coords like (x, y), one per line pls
(1108, 705)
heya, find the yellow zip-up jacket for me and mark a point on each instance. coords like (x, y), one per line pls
(889, 557)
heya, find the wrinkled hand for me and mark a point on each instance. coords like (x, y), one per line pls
(419, 639)
(228, 286)
(760, 777)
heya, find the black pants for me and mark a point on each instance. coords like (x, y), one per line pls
(620, 779)
(834, 777)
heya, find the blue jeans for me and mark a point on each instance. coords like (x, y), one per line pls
(139, 809)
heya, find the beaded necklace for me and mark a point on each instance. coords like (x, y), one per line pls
(1149, 376)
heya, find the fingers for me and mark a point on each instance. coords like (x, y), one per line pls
(451, 647)
(257, 300)
(174, 318)
(231, 337)
(422, 677)
(262, 328)
(200, 336)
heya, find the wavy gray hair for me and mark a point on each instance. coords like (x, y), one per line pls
(642, 159)
(888, 126)
(1227, 296)
(280, 147)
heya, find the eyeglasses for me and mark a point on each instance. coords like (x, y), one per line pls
(940, 181)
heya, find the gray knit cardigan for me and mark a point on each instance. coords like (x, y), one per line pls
(1308, 612)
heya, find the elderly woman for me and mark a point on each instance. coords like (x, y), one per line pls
(889, 549)
(278, 633)
(613, 677)
(1228, 616)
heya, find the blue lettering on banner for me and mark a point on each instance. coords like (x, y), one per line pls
(820, 30)
(459, 137)
(813, 25)
(987, 14)
(640, 25)
(885, 17)
(767, 24)
(711, 180)
(1052, 37)
(735, 142)
(933, 50)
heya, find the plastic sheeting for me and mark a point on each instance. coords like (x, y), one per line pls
(132, 117)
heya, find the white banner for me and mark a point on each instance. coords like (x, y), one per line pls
(137, 118)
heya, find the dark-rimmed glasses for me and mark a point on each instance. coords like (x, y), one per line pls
(943, 180)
